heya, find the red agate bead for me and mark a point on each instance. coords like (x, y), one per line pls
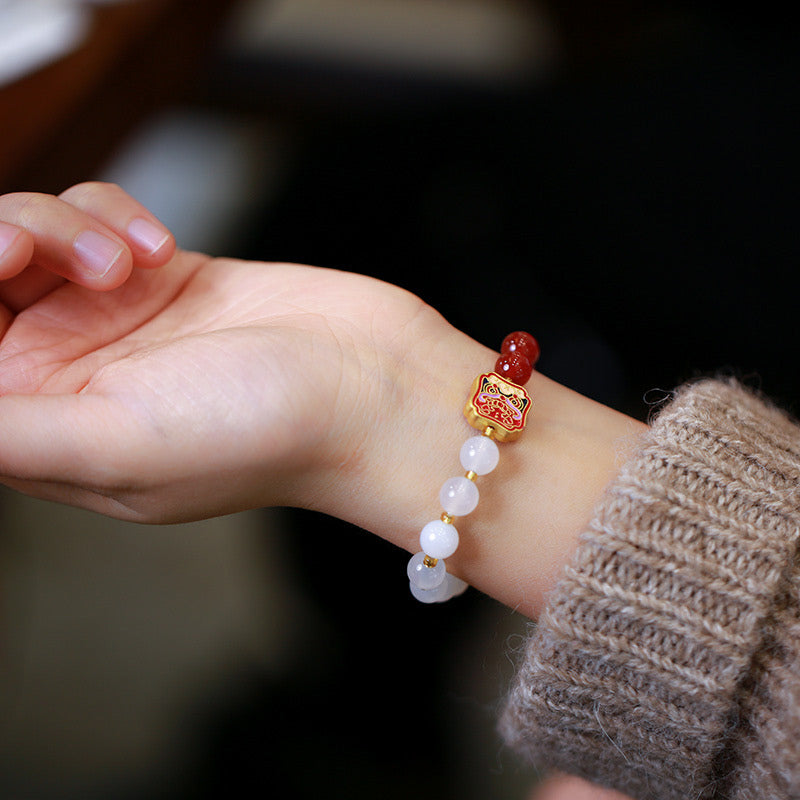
(523, 343)
(514, 367)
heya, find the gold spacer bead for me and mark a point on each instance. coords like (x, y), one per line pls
(489, 431)
(446, 518)
(430, 562)
(470, 475)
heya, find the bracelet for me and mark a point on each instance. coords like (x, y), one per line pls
(498, 407)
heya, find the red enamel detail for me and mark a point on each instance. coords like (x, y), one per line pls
(494, 401)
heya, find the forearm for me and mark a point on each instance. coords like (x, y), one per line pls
(532, 507)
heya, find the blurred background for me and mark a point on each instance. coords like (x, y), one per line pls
(618, 178)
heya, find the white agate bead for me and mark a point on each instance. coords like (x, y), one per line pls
(438, 539)
(437, 595)
(459, 496)
(480, 455)
(423, 576)
(452, 587)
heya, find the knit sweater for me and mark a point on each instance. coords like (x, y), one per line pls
(667, 661)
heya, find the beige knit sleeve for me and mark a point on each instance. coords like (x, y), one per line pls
(667, 661)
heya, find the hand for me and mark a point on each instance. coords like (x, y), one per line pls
(204, 387)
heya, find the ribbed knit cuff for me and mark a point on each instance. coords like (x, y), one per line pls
(653, 668)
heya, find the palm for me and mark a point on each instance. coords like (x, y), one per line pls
(243, 368)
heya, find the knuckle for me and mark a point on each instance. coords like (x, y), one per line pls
(26, 208)
(88, 193)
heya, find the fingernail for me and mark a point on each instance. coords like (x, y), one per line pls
(148, 236)
(96, 252)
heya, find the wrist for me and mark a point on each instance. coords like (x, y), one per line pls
(532, 507)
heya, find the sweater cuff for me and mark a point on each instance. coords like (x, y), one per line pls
(646, 671)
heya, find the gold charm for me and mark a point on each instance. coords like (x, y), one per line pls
(494, 401)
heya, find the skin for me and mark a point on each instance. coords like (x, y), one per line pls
(174, 386)
(566, 787)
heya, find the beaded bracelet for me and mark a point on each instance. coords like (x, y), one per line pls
(498, 407)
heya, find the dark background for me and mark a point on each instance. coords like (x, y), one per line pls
(635, 209)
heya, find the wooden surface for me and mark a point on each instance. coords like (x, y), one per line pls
(58, 125)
